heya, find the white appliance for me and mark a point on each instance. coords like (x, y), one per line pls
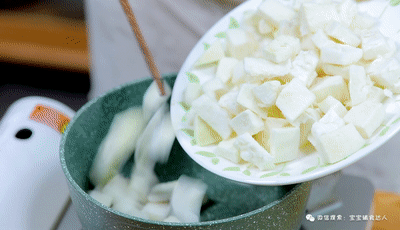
(33, 188)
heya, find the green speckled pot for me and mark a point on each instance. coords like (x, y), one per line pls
(234, 205)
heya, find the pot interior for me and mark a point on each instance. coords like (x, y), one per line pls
(225, 198)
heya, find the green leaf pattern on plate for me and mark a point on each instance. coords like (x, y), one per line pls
(192, 77)
(233, 23)
(398, 119)
(231, 169)
(394, 2)
(309, 170)
(184, 119)
(312, 168)
(269, 174)
(185, 106)
(221, 35)
(193, 142)
(365, 145)
(206, 46)
(215, 161)
(206, 154)
(384, 131)
(189, 132)
(246, 172)
(284, 174)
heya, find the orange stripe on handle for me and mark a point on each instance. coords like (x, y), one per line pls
(50, 117)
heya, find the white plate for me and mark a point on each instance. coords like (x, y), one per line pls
(307, 167)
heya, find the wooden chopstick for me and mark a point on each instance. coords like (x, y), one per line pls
(143, 45)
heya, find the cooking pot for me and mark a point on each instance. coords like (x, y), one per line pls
(230, 204)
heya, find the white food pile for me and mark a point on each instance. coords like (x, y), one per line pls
(148, 132)
(293, 78)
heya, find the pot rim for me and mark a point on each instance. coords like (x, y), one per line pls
(138, 219)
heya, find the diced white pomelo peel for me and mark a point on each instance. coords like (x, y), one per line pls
(157, 211)
(285, 143)
(274, 12)
(247, 121)
(328, 123)
(215, 116)
(296, 4)
(117, 146)
(152, 99)
(162, 140)
(204, 134)
(309, 117)
(229, 102)
(196, 105)
(214, 88)
(331, 85)
(373, 44)
(270, 122)
(340, 143)
(362, 22)
(144, 142)
(340, 54)
(359, 86)
(264, 27)
(227, 150)
(141, 182)
(246, 99)
(288, 28)
(187, 199)
(347, 12)
(128, 204)
(238, 73)
(116, 188)
(332, 103)
(332, 70)
(192, 113)
(320, 39)
(385, 72)
(343, 34)
(123, 200)
(314, 16)
(267, 93)
(366, 117)
(251, 151)
(240, 43)
(211, 55)
(392, 48)
(172, 219)
(192, 92)
(260, 69)
(388, 93)
(282, 48)
(327, 61)
(225, 68)
(294, 99)
(307, 44)
(204, 73)
(376, 94)
(251, 18)
(162, 192)
(101, 197)
(303, 67)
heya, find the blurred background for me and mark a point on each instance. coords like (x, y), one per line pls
(45, 51)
